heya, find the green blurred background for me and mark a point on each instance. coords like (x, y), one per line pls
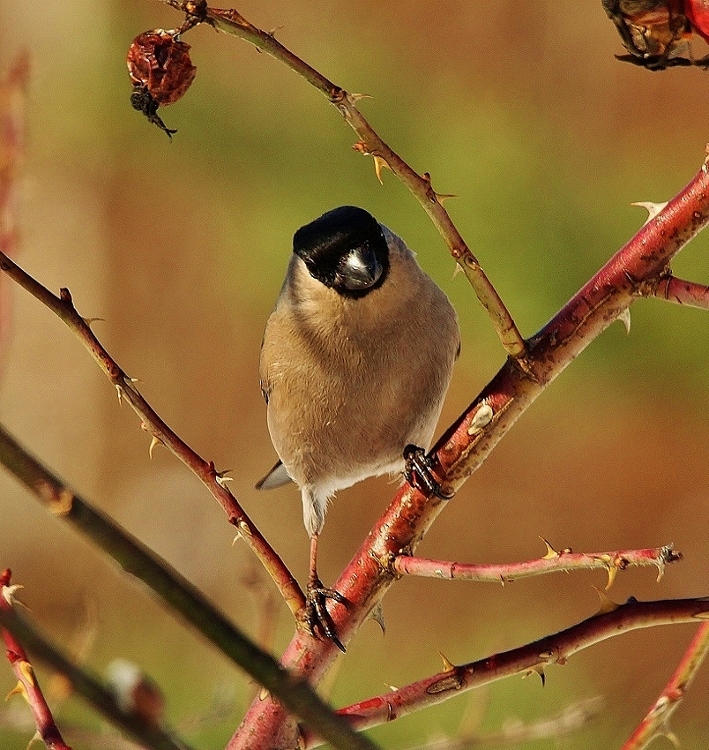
(521, 110)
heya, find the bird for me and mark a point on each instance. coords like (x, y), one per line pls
(356, 360)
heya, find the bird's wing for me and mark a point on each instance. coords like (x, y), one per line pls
(277, 477)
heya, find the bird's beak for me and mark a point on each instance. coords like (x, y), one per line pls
(359, 269)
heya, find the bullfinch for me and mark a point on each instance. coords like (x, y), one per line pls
(356, 360)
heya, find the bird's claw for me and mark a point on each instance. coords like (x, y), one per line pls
(317, 618)
(419, 472)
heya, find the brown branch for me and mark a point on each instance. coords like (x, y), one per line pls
(233, 23)
(670, 288)
(553, 561)
(27, 683)
(63, 306)
(534, 657)
(656, 720)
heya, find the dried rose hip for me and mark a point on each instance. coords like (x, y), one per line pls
(653, 31)
(161, 70)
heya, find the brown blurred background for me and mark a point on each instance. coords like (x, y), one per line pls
(521, 110)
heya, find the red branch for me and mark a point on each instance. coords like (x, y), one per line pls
(655, 721)
(564, 561)
(534, 657)
(28, 685)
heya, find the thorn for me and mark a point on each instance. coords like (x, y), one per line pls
(442, 197)
(448, 665)
(90, 321)
(263, 694)
(119, 391)
(624, 318)
(221, 478)
(393, 688)
(612, 573)
(19, 689)
(652, 208)
(380, 163)
(357, 97)
(237, 538)
(377, 615)
(153, 443)
(456, 270)
(538, 669)
(551, 552)
(607, 604)
(8, 593)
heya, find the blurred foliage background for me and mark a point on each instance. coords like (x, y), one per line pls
(521, 110)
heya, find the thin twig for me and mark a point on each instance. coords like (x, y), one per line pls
(656, 721)
(63, 306)
(553, 561)
(175, 591)
(570, 719)
(27, 683)
(233, 23)
(536, 657)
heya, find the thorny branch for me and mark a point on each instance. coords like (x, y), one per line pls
(63, 306)
(656, 721)
(554, 649)
(27, 683)
(553, 561)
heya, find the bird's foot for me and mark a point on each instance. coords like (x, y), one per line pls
(317, 619)
(419, 473)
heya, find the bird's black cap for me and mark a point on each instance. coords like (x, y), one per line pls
(345, 249)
